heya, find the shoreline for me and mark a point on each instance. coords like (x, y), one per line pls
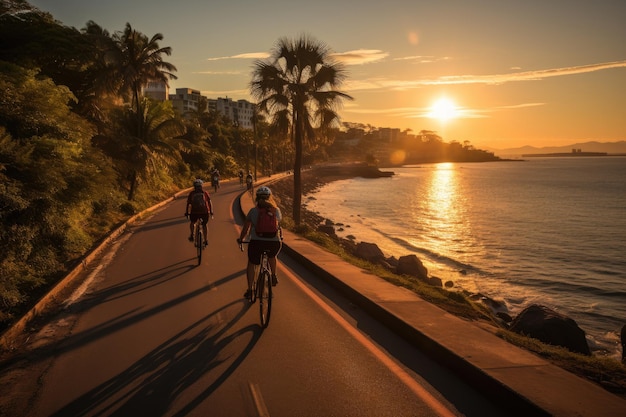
(314, 179)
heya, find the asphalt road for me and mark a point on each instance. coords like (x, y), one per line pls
(151, 333)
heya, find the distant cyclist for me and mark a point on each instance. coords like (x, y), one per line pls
(241, 177)
(215, 178)
(249, 181)
(198, 206)
(264, 203)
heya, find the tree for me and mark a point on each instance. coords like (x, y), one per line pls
(144, 139)
(296, 88)
(140, 60)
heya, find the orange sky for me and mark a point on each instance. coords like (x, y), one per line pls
(541, 73)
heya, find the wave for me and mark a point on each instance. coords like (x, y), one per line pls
(431, 255)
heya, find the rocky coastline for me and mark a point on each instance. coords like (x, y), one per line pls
(536, 320)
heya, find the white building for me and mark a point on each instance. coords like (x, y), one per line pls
(157, 90)
(240, 112)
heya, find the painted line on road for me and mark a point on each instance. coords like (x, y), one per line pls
(259, 404)
(435, 405)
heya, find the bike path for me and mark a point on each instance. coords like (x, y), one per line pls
(512, 376)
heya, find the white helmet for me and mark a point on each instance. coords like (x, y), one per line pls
(263, 192)
(197, 183)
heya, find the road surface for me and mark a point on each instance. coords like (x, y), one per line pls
(151, 333)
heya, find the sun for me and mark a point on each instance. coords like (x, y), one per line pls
(443, 110)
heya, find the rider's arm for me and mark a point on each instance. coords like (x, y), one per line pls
(244, 230)
(210, 205)
(188, 207)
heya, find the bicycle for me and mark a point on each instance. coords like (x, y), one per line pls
(250, 186)
(198, 240)
(262, 287)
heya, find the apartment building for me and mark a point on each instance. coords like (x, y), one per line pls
(240, 111)
(157, 90)
(185, 100)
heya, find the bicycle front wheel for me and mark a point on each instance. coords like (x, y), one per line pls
(265, 297)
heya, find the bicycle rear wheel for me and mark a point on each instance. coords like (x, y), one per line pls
(199, 243)
(265, 297)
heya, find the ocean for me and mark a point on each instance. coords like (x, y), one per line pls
(550, 231)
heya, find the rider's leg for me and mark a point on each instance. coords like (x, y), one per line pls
(191, 231)
(205, 230)
(272, 263)
(250, 274)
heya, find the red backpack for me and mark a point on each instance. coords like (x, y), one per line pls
(267, 223)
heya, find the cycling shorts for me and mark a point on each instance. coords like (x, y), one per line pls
(256, 248)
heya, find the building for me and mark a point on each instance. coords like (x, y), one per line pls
(185, 100)
(156, 90)
(240, 112)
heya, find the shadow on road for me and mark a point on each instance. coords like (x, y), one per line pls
(151, 384)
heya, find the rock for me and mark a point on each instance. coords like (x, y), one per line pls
(411, 265)
(505, 317)
(449, 284)
(550, 327)
(327, 229)
(392, 261)
(370, 252)
(435, 281)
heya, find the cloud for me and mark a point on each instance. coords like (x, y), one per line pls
(249, 55)
(425, 112)
(423, 59)
(360, 56)
(521, 106)
(494, 79)
(219, 72)
(234, 94)
(522, 76)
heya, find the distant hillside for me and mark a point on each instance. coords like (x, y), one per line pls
(608, 147)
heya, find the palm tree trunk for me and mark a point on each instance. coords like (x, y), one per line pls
(297, 173)
(133, 185)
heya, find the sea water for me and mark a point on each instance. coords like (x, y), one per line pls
(550, 231)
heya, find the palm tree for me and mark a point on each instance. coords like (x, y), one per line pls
(141, 60)
(145, 139)
(296, 88)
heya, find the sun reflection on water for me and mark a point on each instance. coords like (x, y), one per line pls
(442, 207)
(442, 212)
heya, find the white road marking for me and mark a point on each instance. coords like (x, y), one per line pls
(259, 404)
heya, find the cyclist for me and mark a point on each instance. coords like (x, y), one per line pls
(215, 178)
(249, 181)
(241, 177)
(198, 206)
(264, 199)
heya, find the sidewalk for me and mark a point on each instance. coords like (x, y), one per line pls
(510, 375)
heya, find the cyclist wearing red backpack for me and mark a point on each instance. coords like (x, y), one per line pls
(262, 224)
(198, 205)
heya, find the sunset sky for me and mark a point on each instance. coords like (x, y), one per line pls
(496, 73)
